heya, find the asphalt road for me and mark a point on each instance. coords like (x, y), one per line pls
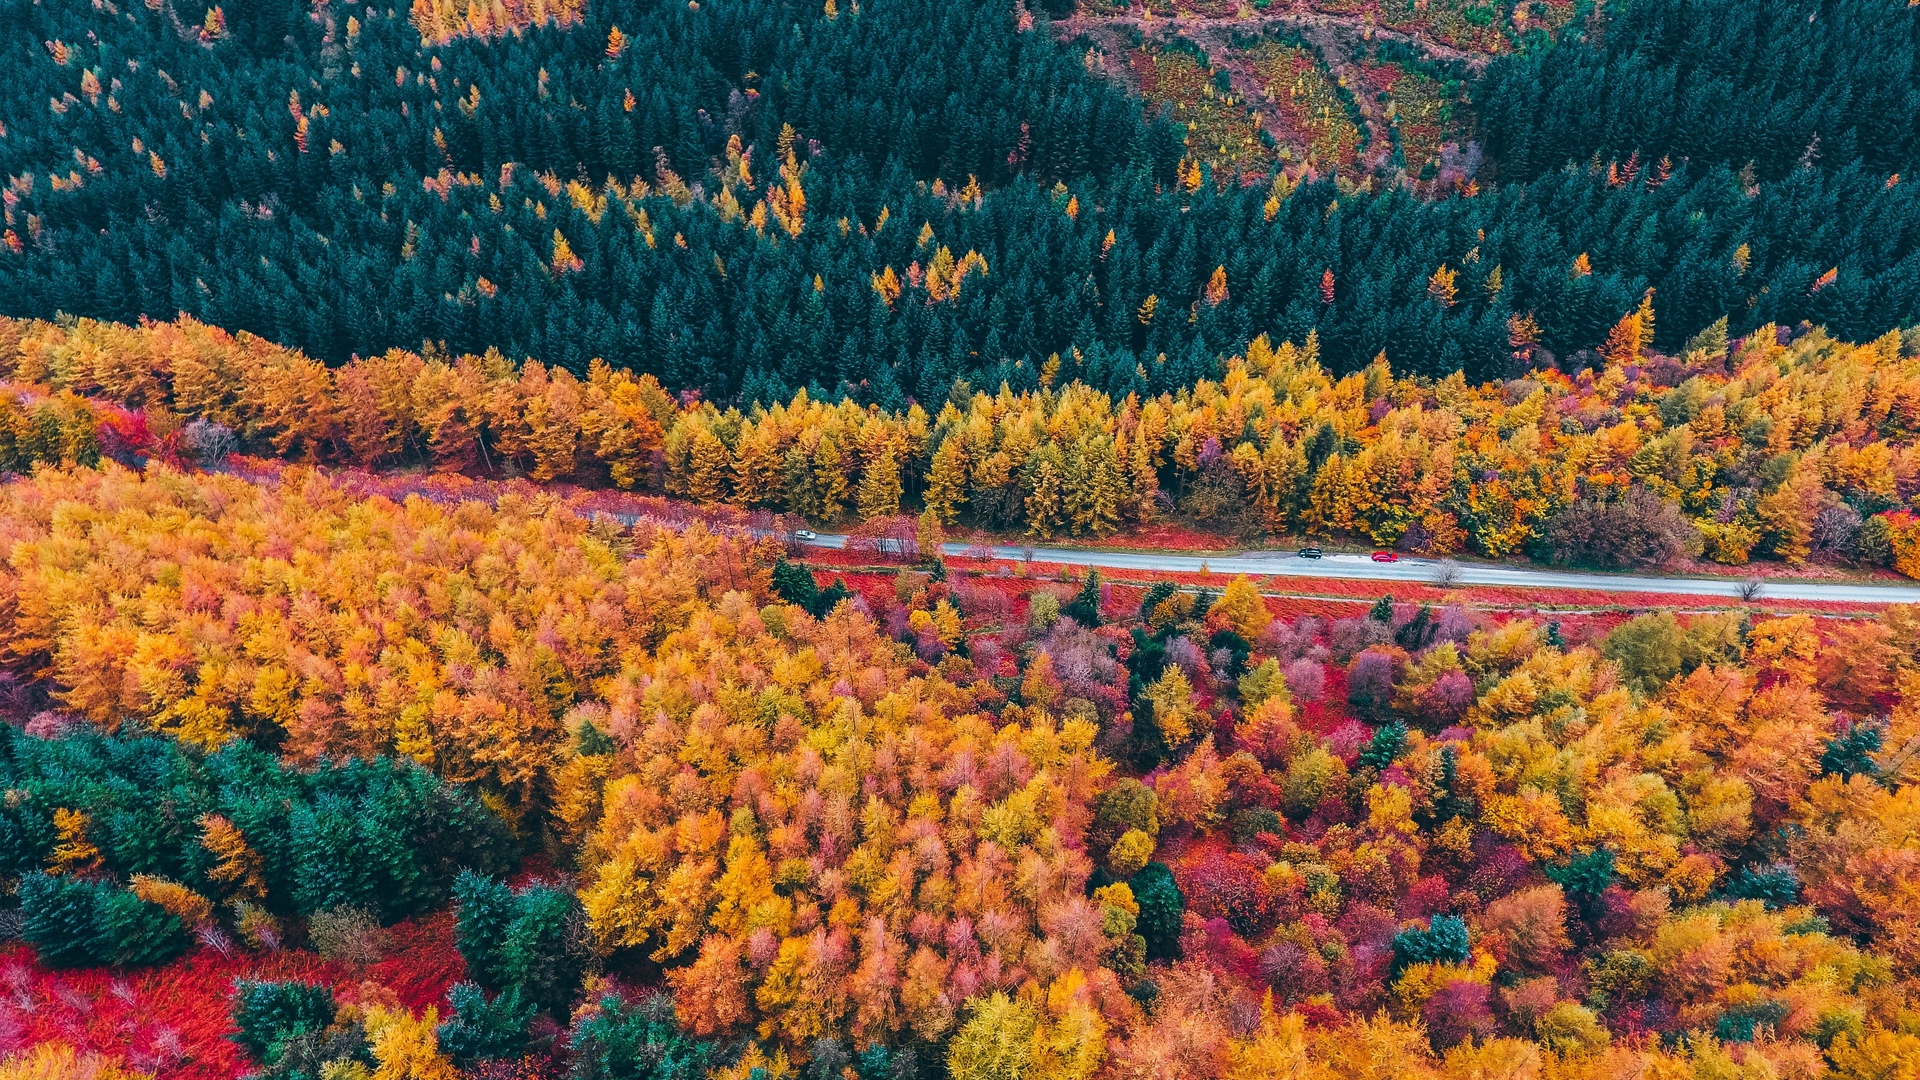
(1423, 571)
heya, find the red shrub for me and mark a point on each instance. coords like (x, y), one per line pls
(174, 1021)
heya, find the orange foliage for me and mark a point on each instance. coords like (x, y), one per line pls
(458, 635)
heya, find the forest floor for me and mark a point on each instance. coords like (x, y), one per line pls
(175, 1020)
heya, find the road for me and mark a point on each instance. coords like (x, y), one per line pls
(1423, 571)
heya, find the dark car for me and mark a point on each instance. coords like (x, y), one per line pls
(1310, 553)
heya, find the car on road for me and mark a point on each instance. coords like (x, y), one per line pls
(1310, 553)
(805, 536)
(1385, 556)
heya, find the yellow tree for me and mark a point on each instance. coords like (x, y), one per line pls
(947, 480)
(879, 494)
(1043, 501)
(1092, 490)
(757, 464)
(929, 534)
(709, 466)
(829, 479)
(617, 426)
(1241, 608)
(553, 420)
(1631, 335)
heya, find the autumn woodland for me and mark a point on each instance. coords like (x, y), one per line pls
(415, 663)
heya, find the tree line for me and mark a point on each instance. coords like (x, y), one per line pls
(1785, 444)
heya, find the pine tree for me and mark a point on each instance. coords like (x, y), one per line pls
(1085, 608)
(59, 919)
(483, 1030)
(542, 953)
(270, 1015)
(486, 911)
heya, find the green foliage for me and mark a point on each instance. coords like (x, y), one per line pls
(1311, 777)
(1653, 650)
(1443, 941)
(830, 598)
(485, 910)
(245, 173)
(1262, 682)
(480, 1029)
(1418, 632)
(544, 954)
(1569, 1029)
(58, 919)
(1156, 594)
(1237, 647)
(1742, 1021)
(1043, 610)
(1711, 83)
(1585, 878)
(616, 1039)
(591, 741)
(271, 1014)
(1085, 608)
(131, 932)
(1129, 804)
(1850, 753)
(80, 923)
(794, 583)
(1246, 825)
(1776, 886)
(1387, 744)
(1382, 609)
(1619, 976)
(382, 835)
(531, 941)
(1161, 906)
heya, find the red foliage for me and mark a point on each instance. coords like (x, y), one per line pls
(892, 539)
(1227, 885)
(174, 1020)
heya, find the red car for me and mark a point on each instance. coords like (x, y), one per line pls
(1385, 556)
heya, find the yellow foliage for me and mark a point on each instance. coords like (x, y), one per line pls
(60, 1061)
(406, 1047)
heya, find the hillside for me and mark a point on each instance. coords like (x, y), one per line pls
(529, 540)
(750, 198)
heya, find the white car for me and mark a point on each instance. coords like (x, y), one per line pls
(805, 536)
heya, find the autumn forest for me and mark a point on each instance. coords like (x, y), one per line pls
(576, 540)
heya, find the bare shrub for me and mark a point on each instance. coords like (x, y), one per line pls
(350, 935)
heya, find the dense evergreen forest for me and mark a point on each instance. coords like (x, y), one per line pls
(748, 197)
(1779, 85)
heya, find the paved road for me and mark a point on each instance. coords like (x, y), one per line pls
(1360, 567)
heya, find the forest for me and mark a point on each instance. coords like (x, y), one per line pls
(752, 197)
(411, 667)
(670, 809)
